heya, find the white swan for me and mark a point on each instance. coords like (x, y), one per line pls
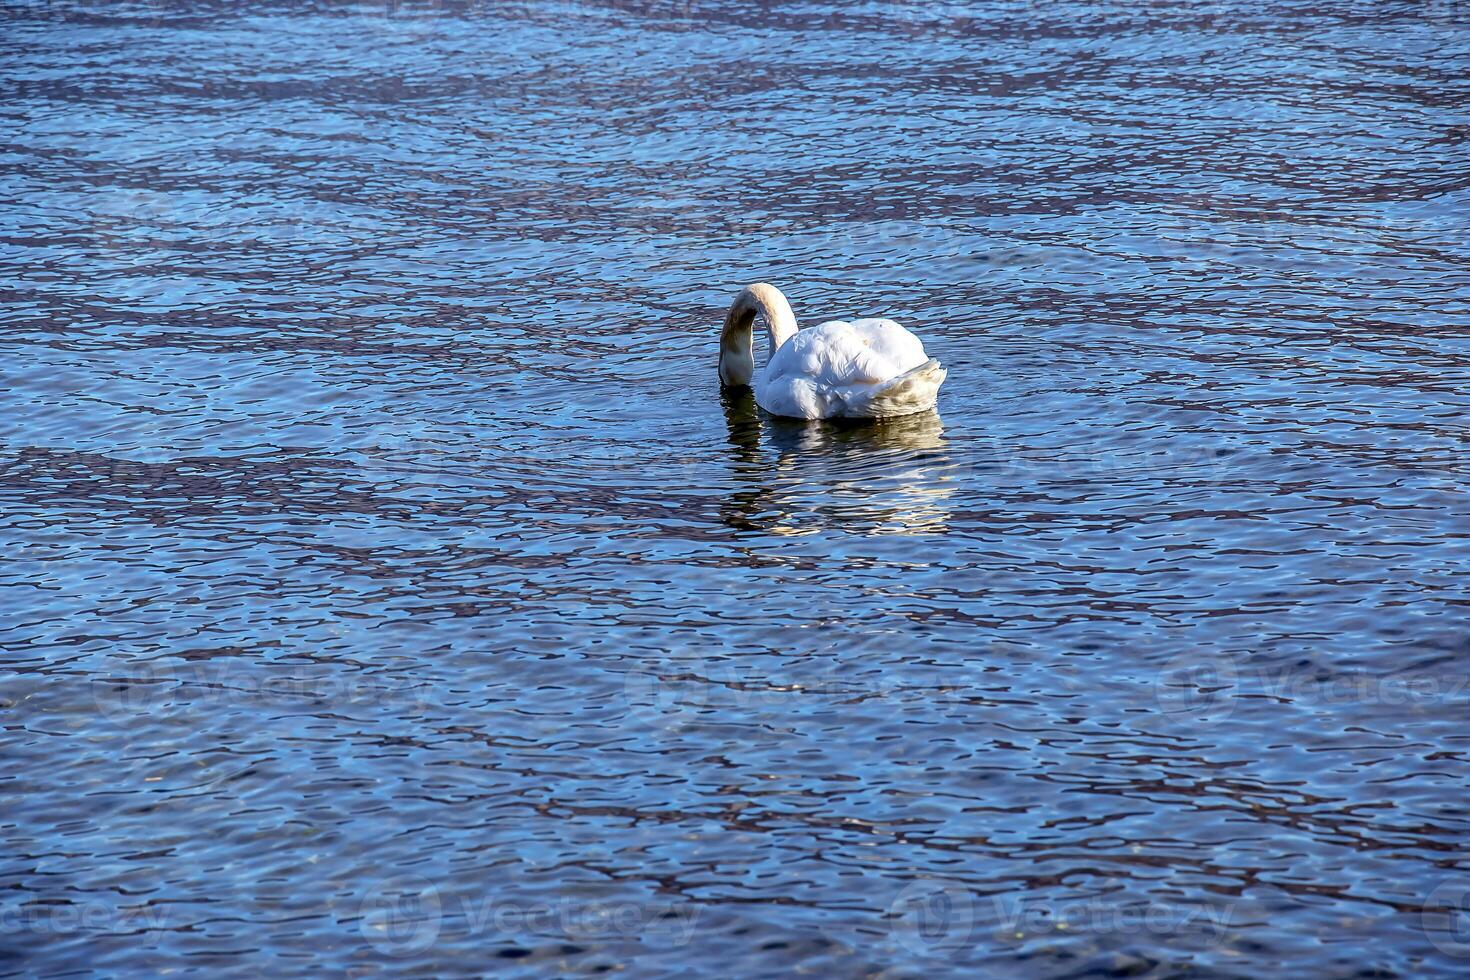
(866, 369)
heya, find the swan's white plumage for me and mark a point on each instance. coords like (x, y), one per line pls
(871, 368)
(833, 369)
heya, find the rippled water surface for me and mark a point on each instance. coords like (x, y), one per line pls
(388, 586)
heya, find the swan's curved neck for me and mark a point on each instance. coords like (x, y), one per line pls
(737, 362)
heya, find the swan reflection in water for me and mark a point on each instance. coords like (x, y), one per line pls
(795, 477)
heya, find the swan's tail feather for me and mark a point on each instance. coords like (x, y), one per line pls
(913, 391)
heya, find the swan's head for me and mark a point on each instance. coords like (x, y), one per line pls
(737, 358)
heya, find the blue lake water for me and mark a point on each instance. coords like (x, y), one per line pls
(388, 588)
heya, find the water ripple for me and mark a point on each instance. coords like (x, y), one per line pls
(390, 589)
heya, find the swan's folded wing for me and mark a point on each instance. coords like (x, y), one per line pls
(910, 392)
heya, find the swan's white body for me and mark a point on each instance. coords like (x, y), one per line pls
(839, 369)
